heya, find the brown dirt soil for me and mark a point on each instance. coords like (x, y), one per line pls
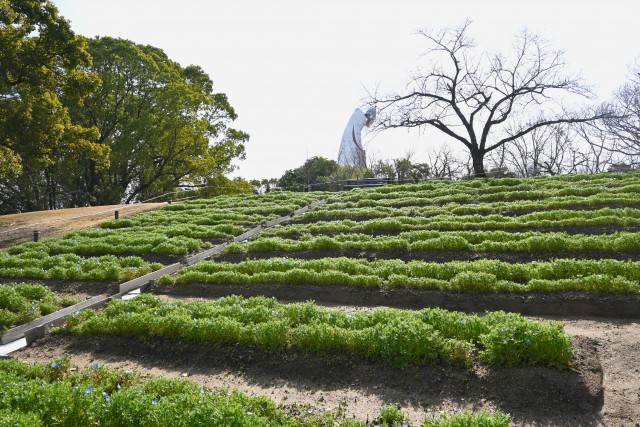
(18, 228)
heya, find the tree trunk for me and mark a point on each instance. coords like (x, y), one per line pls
(478, 164)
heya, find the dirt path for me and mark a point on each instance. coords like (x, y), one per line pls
(602, 390)
(18, 228)
(618, 346)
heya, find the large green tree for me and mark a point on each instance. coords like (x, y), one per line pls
(315, 170)
(41, 62)
(163, 124)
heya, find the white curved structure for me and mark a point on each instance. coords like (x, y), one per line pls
(351, 151)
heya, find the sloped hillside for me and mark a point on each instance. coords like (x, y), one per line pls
(516, 296)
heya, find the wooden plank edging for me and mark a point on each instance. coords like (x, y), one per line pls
(54, 319)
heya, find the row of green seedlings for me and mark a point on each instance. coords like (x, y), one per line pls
(217, 218)
(95, 242)
(135, 240)
(222, 230)
(426, 198)
(39, 265)
(260, 209)
(223, 211)
(474, 241)
(546, 219)
(599, 201)
(59, 394)
(252, 200)
(285, 202)
(491, 186)
(593, 276)
(397, 337)
(22, 302)
(175, 240)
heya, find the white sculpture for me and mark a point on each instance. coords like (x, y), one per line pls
(351, 151)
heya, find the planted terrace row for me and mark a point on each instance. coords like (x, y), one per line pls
(517, 208)
(479, 187)
(599, 219)
(427, 198)
(397, 337)
(592, 276)
(41, 265)
(22, 302)
(110, 249)
(461, 242)
(58, 394)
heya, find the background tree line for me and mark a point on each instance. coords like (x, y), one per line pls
(104, 120)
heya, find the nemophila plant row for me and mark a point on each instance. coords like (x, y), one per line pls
(431, 199)
(259, 209)
(36, 264)
(590, 185)
(195, 231)
(599, 201)
(21, 303)
(300, 199)
(546, 219)
(114, 242)
(58, 394)
(397, 337)
(597, 276)
(469, 419)
(166, 233)
(605, 182)
(221, 220)
(476, 241)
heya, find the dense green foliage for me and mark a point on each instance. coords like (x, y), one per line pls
(448, 222)
(42, 74)
(57, 395)
(38, 264)
(99, 121)
(599, 276)
(164, 123)
(22, 303)
(315, 170)
(469, 419)
(399, 337)
(476, 241)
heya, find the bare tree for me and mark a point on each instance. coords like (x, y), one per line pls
(598, 157)
(624, 128)
(484, 101)
(443, 164)
(525, 154)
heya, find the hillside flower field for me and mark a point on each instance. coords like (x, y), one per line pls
(400, 305)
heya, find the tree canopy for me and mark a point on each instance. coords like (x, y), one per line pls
(101, 121)
(41, 70)
(164, 124)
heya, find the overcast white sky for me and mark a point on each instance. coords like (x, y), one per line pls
(295, 70)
